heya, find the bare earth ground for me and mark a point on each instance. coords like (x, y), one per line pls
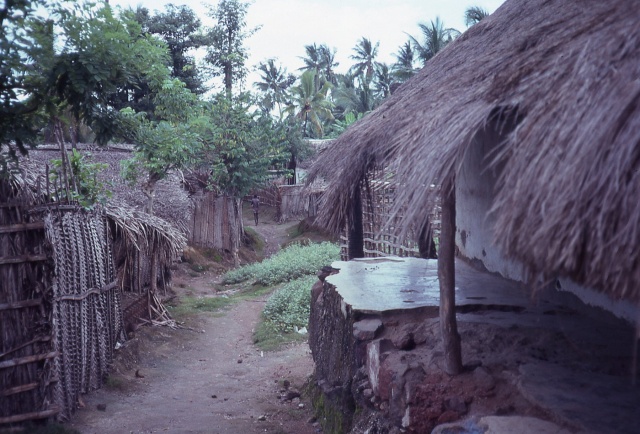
(207, 378)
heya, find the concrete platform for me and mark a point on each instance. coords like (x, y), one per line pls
(570, 392)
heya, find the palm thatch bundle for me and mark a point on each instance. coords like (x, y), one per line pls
(563, 79)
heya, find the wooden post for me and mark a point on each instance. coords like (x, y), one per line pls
(355, 233)
(446, 277)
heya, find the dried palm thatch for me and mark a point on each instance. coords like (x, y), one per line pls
(146, 247)
(172, 201)
(568, 77)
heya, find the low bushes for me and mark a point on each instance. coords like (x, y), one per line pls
(289, 306)
(290, 263)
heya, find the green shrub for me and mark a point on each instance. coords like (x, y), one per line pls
(290, 263)
(289, 306)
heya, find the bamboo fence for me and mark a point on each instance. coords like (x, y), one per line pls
(61, 295)
(378, 194)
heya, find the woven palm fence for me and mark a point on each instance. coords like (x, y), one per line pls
(86, 310)
(62, 293)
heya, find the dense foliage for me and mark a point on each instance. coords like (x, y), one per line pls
(289, 306)
(290, 263)
(70, 66)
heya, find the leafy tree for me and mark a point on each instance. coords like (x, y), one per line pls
(404, 67)
(436, 37)
(163, 145)
(383, 80)
(227, 54)
(352, 97)
(73, 66)
(99, 57)
(310, 105)
(474, 14)
(274, 85)
(180, 28)
(235, 150)
(291, 144)
(26, 54)
(328, 63)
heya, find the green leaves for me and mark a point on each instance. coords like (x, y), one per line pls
(237, 149)
(89, 190)
(289, 307)
(291, 263)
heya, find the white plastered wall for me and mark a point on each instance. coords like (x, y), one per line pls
(475, 184)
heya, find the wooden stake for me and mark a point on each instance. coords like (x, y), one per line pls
(446, 277)
(355, 231)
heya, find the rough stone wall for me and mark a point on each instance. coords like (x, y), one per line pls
(333, 349)
(367, 361)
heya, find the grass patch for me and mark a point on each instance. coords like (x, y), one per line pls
(289, 306)
(268, 337)
(254, 240)
(189, 305)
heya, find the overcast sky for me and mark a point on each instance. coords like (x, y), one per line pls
(288, 25)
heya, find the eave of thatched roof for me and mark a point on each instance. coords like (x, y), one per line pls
(147, 232)
(567, 201)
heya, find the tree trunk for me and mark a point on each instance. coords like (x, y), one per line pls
(292, 166)
(355, 234)
(149, 190)
(446, 277)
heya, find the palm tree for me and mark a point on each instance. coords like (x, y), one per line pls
(383, 80)
(404, 68)
(328, 63)
(310, 104)
(474, 14)
(350, 98)
(320, 59)
(436, 37)
(274, 84)
(365, 57)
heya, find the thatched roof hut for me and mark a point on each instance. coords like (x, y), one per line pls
(172, 200)
(556, 84)
(70, 279)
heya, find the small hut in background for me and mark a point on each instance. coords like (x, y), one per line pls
(64, 300)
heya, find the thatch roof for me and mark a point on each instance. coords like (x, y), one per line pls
(568, 201)
(172, 202)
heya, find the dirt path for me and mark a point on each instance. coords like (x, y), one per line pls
(211, 379)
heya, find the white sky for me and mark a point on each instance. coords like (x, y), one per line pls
(289, 25)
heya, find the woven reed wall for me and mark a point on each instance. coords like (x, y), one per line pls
(27, 376)
(87, 313)
(378, 196)
(217, 222)
(297, 202)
